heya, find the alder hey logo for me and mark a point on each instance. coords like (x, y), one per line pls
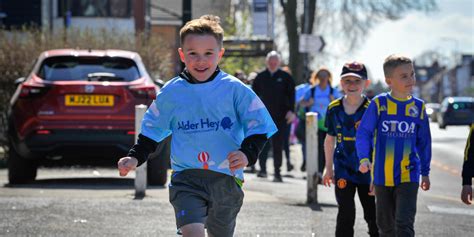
(205, 125)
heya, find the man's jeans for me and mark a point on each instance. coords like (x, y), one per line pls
(396, 209)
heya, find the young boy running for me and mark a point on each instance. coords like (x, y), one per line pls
(342, 120)
(396, 128)
(219, 126)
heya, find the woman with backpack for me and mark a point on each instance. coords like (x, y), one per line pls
(317, 100)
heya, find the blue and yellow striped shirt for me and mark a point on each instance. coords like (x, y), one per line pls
(399, 133)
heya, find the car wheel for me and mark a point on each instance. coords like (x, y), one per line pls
(20, 170)
(158, 163)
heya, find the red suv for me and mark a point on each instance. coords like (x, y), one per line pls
(76, 105)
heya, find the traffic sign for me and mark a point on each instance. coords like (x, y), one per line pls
(311, 43)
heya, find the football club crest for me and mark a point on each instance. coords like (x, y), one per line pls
(413, 111)
(341, 183)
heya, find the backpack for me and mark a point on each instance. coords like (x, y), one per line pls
(312, 91)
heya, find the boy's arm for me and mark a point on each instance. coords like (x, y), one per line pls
(423, 144)
(329, 142)
(365, 132)
(468, 165)
(252, 146)
(142, 149)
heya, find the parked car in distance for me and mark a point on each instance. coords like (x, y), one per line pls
(432, 110)
(456, 111)
(78, 104)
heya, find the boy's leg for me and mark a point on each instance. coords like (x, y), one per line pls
(226, 200)
(193, 230)
(345, 192)
(368, 205)
(189, 201)
(406, 195)
(385, 210)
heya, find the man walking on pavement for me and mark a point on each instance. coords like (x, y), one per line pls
(276, 88)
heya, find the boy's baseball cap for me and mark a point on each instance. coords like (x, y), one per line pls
(355, 69)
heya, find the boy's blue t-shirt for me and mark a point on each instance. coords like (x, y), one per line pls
(321, 101)
(207, 120)
(343, 127)
(398, 132)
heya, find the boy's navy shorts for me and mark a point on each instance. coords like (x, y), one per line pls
(208, 197)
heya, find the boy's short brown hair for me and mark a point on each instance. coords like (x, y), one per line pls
(393, 61)
(205, 25)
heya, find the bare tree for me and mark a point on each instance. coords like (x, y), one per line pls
(351, 20)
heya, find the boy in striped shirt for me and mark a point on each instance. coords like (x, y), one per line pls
(395, 129)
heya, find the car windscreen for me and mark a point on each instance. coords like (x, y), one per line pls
(70, 68)
(461, 105)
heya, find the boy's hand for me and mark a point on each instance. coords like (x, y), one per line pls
(466, 194)
(425, 183)
(371, 189)
(126, 164)
(328, 177)
(237, 160)
(364, 167)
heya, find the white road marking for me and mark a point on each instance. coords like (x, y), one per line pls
(451, 210)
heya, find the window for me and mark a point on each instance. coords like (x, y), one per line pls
(97, 8)
(67, 68)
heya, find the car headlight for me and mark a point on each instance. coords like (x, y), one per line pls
(429, 111)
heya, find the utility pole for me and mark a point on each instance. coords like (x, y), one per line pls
(187, 11)
(306, 31)
(186, 16)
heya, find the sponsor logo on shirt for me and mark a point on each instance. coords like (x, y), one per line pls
(205, 125)
(394, 128)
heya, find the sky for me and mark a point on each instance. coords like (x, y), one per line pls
(450, 29)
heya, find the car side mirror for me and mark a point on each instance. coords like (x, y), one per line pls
(159, 82)
(19, 81)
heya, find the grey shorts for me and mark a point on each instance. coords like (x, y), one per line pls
(208, 197)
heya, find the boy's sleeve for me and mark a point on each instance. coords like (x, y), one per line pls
(423, 144)
(468, 165)
(329, 123)
(253, 114)
(156, 123)
(365, 132)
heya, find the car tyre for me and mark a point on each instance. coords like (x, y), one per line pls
(20, 170)
(158, 164)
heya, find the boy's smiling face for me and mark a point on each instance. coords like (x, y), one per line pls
(353, 85)
(402, 80)
(200, 54)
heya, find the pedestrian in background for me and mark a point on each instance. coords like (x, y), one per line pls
(218, 125)
(276, 88)
(317, 99)
(468, 169)
(395, 132)
(342, 120)
(287, 135)
(300, 128)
